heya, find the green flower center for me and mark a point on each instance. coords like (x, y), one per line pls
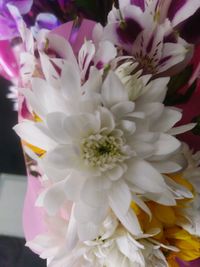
(101, 151)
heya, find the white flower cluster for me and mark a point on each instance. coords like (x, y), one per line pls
(107, 145)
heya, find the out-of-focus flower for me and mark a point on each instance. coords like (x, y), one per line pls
(13, 95)
(9, 68)
(45, 21)
(8, 29)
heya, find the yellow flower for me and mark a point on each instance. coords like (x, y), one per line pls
(165, 219)
(188, 244)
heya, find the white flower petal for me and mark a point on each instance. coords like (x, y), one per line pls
(49, 70)
(107, 119)
(181, 129)
(167, 120)
(35, 135)
(84, 213)
(55, 122)
(166, 166)
(152, 110)
(37, 104)
(165, 146)
(85, 57)
(88, 231)
(143, 150)
(94, 82)
(129, 248)
(64, 157)
(144, 176)
(94, 192)
(71, 236)
(62, 47)
(120, 198)
(131, 223)
(70, 81)
(156, 93)
(116, 173)
(179, 190)
(105, 53)
(113, 91)
(80, 126)
(52, 198)
(127, 126)
(122, 109)
(141, 204)
(73, 186)
(165, 198)
(54, 174)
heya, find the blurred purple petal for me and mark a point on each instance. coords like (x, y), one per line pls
(24, 6)
(8, 28)
(64, 30)
(9, 11)
(47, 21)
(84, 33)
(76, 36)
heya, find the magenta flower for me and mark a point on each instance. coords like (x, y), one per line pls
(9, 68)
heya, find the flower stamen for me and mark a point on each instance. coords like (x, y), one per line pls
(101, 151)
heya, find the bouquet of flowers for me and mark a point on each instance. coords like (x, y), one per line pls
(101, 89)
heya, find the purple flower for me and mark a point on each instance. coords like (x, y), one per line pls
(8, 27)
(45, 21)
(147, 31)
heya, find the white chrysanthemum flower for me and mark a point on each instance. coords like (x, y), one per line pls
(113, 247)
(102, 148)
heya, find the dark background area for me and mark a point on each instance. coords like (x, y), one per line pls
(11, 157)
(13, 253)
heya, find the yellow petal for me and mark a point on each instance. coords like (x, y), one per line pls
(188, 244)
(172, 261)
(37, 118)
(188, 255)
(154, 224)
(182, 181)
(36, 150)
(165, 215)
(136, 208)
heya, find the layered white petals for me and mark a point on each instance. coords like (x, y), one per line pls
(107, 141)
